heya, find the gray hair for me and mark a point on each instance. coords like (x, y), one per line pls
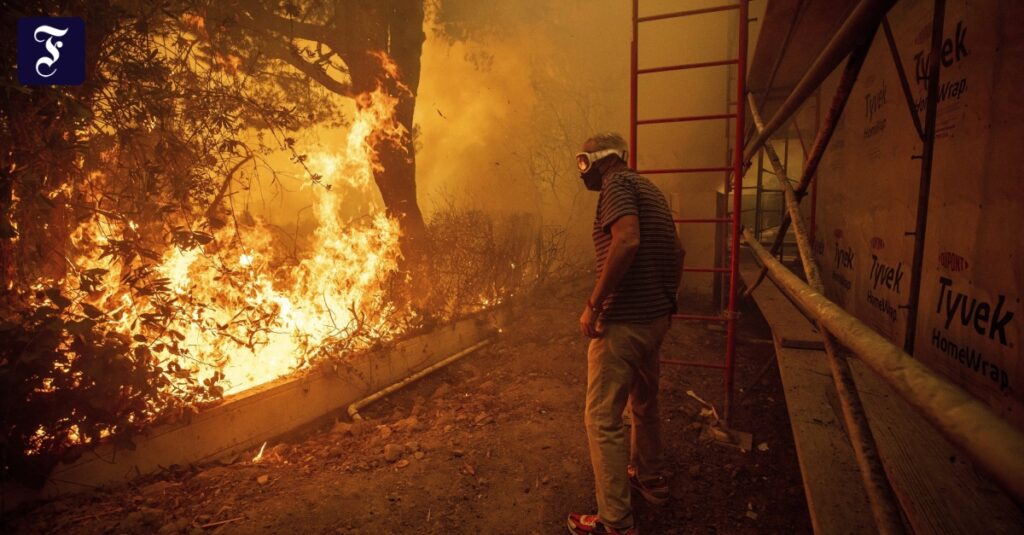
(608, 140)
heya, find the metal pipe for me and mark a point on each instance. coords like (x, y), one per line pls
(778, 61)
(758, 216)
(991, 442)
(923, 192)
(633, 65)
(714, 220)
(814, 183)
(706, 270)
(790, 203)
(693, 364)
(903, 77)
(835, 110)
(353, 409)
(737, 199)
(698, 317)
(883, 502)
(687, 118)
(685, 66)
(821, 140)
(690, 12)
(862, 22)
(684, 170)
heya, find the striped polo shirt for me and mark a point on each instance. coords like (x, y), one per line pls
(648, 289)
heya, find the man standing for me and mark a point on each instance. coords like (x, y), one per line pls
(639, 263)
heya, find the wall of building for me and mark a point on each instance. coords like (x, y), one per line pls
(969, 323)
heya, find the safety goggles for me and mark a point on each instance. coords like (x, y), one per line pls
(586, 160)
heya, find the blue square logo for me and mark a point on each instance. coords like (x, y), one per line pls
(51, 50)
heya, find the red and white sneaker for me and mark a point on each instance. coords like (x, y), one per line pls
(592, 525)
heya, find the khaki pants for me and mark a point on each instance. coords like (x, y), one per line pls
(623, 365)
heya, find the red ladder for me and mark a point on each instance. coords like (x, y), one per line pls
(728, 315)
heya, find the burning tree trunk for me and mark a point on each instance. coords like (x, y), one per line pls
(400, 35)
(357, 47)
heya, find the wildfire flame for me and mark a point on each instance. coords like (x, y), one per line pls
(225, 287)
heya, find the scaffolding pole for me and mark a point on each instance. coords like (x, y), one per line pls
(884, 507)
(821, 141)
(860, 24)
(737, 206)
(991, 443)
(924, 190)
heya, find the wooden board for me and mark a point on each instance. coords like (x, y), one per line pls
(832, 484)
(937, 487)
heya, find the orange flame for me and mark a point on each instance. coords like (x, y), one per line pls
(224, 288)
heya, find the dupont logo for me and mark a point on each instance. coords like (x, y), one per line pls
(952, 261)
(51, 50)
(877, 243)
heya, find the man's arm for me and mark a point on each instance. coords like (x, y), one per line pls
(621, 251)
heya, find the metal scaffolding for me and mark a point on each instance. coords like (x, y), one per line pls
(734, 170)
(967, 422)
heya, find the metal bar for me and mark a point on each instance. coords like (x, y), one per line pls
(687, 118)
(883, 502)
(992, 443)
(712, 220)
(633, 87)
(814, 183)
(353, 409)
(698, 317)
(799, 136)
(686, 66)
(737, 199)
(903, 77)
(758, 215)
(693, 363)
(926, 176)
(678, 14)
(684, 170)
(783, 179)
(821, 140)
(778, 61)
(857, 30)
(707, 270)
(791, 204)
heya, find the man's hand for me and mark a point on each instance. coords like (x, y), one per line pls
(588, 323)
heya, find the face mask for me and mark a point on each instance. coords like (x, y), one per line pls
(592, 178)
(587, 163)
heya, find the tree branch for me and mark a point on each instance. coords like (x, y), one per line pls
(286, 52)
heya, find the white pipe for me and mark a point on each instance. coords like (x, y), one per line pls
(353, 409)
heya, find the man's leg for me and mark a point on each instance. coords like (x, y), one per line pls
(646, 449)
(609, 375)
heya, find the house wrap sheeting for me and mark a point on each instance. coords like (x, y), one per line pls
(969, 323)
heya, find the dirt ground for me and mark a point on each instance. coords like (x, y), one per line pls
(493, 444)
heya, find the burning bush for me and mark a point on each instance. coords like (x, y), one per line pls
(135, 291)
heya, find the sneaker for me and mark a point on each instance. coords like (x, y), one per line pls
(654, 490)
(592, 525)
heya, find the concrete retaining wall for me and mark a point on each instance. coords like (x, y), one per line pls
(248, 419)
